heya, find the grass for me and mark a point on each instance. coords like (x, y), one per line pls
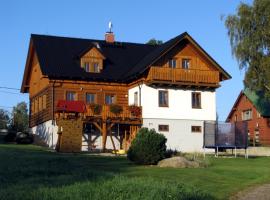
(31, 172)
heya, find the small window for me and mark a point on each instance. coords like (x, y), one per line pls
(196, 129)
(90, 98)
(247, 114)
(136, 98)
(185, 63)
(87, 66)
(196, 100)
(96, 67)
(110, 99)
(40, 103)
(44, 101)
(258, 115)
(235, 118)
(172, 63)
(164, 128)
(71, 96)
(36, 105)
(163, 98)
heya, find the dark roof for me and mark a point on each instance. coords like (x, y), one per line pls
(261, 104)
(59, 57)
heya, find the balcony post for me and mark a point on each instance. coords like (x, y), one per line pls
(104, 136)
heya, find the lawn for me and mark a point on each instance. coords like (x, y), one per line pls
(31, 172)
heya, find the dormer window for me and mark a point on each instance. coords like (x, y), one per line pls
(87, 66)
(96, 67)
(92, 60)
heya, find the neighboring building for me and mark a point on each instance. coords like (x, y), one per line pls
(251, 107)
(169, 87)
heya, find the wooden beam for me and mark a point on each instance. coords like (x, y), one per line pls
(104, 136)
(96, 125)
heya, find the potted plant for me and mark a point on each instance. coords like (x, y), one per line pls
(116, 109)
(136, 111)
(96, 108)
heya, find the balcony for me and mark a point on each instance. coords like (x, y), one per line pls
(183, 76)
(114, 112)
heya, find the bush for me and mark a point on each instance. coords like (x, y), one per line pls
(10, 136)
(148, 147)
(24, 138)
(170, 153)
(96, 108)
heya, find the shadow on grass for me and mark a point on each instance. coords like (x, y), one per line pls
(36, 166)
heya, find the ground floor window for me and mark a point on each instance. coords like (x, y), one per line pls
(163, 128)
(196, 129)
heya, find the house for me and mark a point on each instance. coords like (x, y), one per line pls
(90, 94)
(250, 106)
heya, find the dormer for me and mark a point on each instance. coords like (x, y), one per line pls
(92, 60)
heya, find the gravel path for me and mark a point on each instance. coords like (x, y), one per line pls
(258, 193)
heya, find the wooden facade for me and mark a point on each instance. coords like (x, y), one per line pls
(258, 125)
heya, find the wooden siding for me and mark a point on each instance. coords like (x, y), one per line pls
(257, 123)
(187, 51)
(37, 82)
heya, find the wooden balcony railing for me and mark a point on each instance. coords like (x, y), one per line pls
(128, 112)
(183, 75)
(79, 108)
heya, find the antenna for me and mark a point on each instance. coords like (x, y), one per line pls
(110, 26)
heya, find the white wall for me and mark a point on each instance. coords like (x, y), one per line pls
(46, 132)
(179, 104)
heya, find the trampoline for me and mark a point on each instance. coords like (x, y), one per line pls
(222, 136)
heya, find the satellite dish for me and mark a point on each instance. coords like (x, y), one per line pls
(110, 26)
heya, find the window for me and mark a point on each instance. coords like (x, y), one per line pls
(196, 100)
(71, 96)
(164, 128)
(163, 98)
(90, 98)
(247, 114)
(235, 118)
(110, 99)
(196, 129)
(96, 67)
(39, 103)
(36, 105)
(136, 98)
(185, 63)
(87, 66)
(258, 114)
(44, 101)
(172, 63)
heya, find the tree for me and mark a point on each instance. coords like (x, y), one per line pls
(20, 117)
(153, 41)
(4, 119)
(249, 33)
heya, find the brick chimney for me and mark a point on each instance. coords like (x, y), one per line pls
(109, 37)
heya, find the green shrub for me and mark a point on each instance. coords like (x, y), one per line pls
(148, 147)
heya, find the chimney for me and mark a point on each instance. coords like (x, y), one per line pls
(109, 37)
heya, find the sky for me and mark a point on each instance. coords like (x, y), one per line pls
(133, 21)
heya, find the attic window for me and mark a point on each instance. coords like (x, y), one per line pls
(172, 63)
(185, 63)
(87, 66)
(96, 67)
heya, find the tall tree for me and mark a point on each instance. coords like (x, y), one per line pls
(249, 32)
(153, 41)
(20, 117)
(4, 119)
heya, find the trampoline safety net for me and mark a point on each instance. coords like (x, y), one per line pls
(225, 135)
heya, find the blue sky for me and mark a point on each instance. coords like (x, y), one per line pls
(134, 21)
